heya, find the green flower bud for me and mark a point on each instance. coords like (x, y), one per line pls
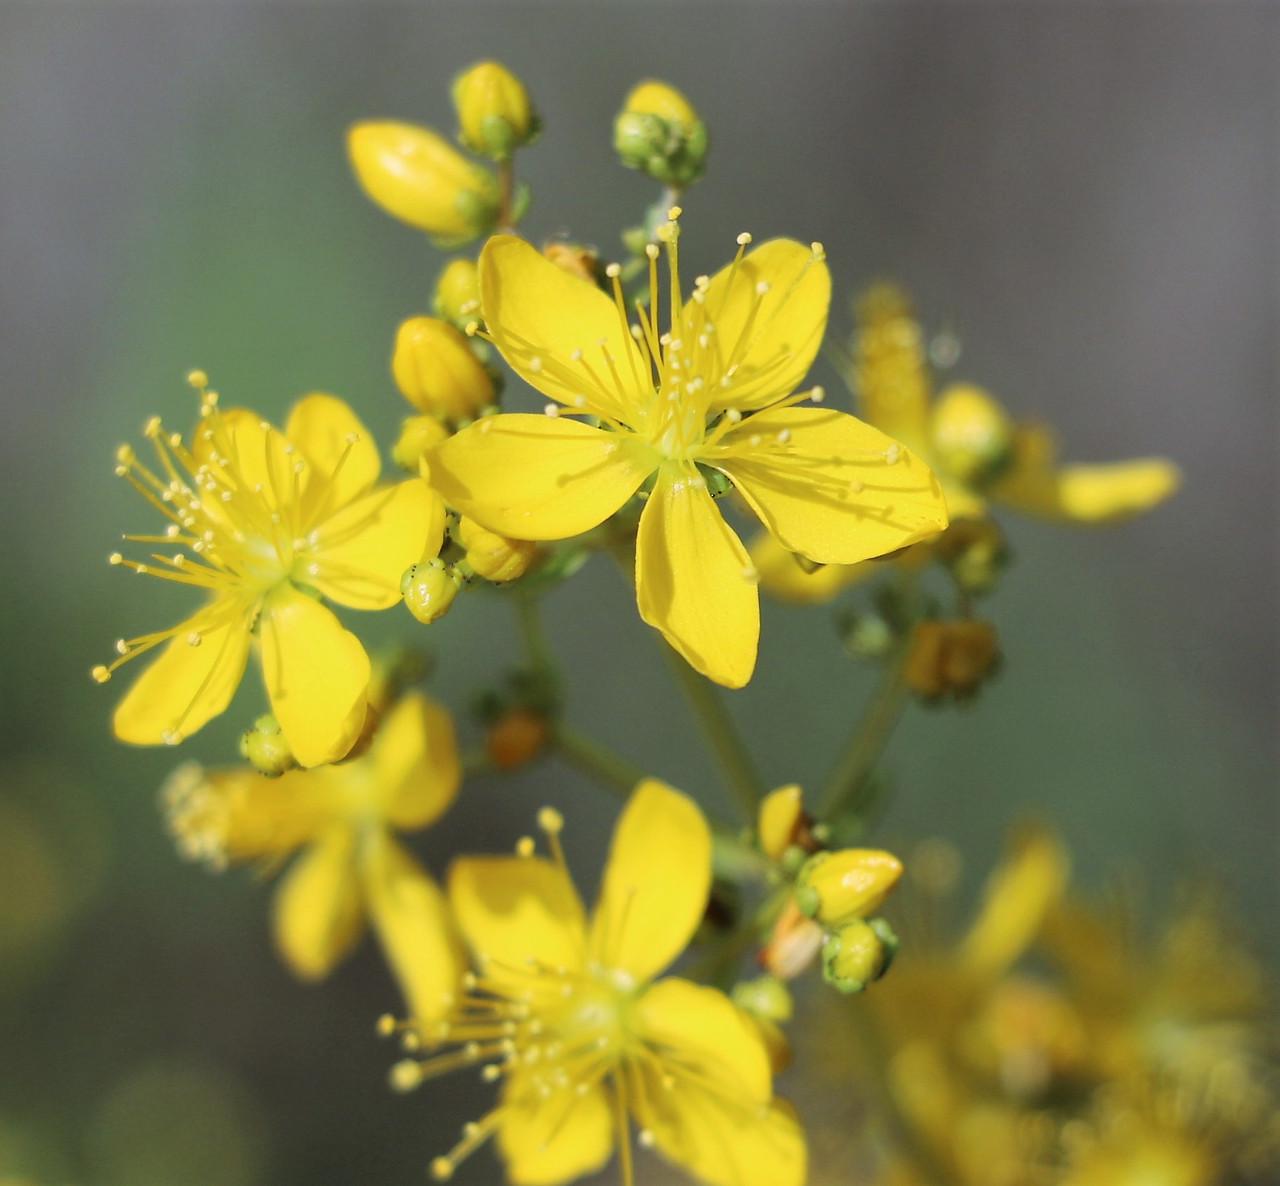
(765, 996)
(457, 295)
(264, 747)
(659, 133)
(858, 954)
(495, 116)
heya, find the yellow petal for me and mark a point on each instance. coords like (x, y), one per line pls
(782, 338)
(317, 675)
(832, 488)
(538, 477)
(513, 910)
(342, 455)
(247, 453)
(540, 316)
(720, 1142)
(187, 685)
(319, 914)
(361, 552)
(411, 919)
(655, 883)
(784, 577)
(554, 1139)
(781, 812)
(415, 760)
(1081, 493)
(1019, 894)
(693, 579)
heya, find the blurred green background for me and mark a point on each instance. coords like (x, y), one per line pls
(1085, 194)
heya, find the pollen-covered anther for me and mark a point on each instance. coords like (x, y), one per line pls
(892, 454)
(100, 674)
(651, 250)
(674, 213)
(784, 436)
(744, 239)
(552, 410)
(525, 846)
(762, 287)
(550, 821)
(818, 394)
(613, 271)
(197, 379)
(406, 1075)
(819, 251)
(194, 638)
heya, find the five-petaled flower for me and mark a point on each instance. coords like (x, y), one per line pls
(351, 868)
(569, 1014)
(714, 396)
(267, 523)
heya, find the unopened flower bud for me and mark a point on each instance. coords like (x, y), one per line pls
(780, 820)
(417, 176)
(457, 294)
(437, 371)
(494, 557)
(951, 658)
(793, 944)
(517, 737)
(975, 552)
(971, 434)
(574, 258)
(495, 116)
(765, 996)
(659, 132)
(418, 436)
(857, 953)
(429, 589)
(264, 747)
(850, 883)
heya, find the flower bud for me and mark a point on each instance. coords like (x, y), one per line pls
(575, 259)
(264, 747)
(659, 133)
(793, 944)
(850, 883)
(857, 953)
(517, 737)
(765, 996)
(418, 177)
(951, 658)
(418, 436)
(975, 552)
(495, 116)
(971, 434)
(437, 371)
(429, 589)
(780, 820)
(493, 556)
(457, 293)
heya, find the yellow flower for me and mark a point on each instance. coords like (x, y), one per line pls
(350, 869)
(417, 176)
(569, 1014)
(978, 452)
(495, 115)
(710, 398)
(266, 523)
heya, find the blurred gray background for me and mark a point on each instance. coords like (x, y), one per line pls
(1085, 193)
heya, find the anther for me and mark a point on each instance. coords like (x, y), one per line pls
(762, 288)
(819, 252)
(525, 846)
(100, 674)
(405, 1075)
(646, 1138)
(784, 436)
(550, 820)
(442, 1169)
(552, 410)
(472, 328)
(744, 239)
(892, 453)
(197, 379)
(651, 250)
(386, 1025)
(818, 394)
(535, 364)
(613, 271)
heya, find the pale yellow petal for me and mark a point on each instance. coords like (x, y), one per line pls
(515, 912)
(545, 1141)
(540, 317)
(415, 761)
(318, 914)
(359, 554)
(411, 918)
(539, 477)
(831, 487)
(342, 455)
(655, 883)
(694, 580)
(317, 675)
(765, 342)
(187, 685)
(1019, 894)
(784, 576)
(1035, 483)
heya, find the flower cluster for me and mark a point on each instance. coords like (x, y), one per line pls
(656, 417)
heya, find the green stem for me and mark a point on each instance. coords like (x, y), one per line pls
(601, 763)
(536, 646)
(720, 732)
(851, 774)
(506, 194)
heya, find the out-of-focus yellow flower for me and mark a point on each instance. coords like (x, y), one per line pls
(495, 557)
(417, 176)
(267, 523)
(350, 868)
(710, 398)
(978, 452)
(659, 132)
(437, 371)
(495, 116)
(457, 294)
(568, 1012)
